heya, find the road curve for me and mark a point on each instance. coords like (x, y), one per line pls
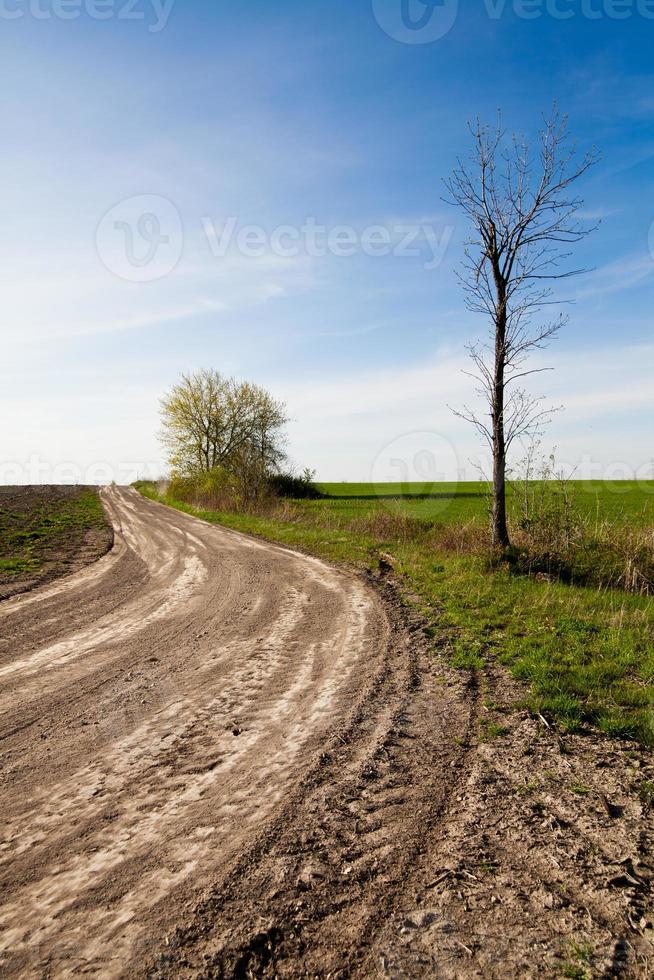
(157, 709)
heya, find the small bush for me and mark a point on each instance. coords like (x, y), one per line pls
(210, 491)
(612, 556)
(553, 539)
(287, 485)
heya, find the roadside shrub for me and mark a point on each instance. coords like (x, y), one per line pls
(287, 485)
(211, 491)
(551, 538)
(243, 488)
(558, 542)
(612, 556)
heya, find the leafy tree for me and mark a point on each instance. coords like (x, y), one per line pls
(211, 422)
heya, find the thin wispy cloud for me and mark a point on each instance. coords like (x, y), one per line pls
(619, 276)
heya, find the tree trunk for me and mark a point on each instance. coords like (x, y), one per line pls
(499, 526)
(500, 530)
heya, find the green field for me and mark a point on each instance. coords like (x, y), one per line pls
(449, 502)
(586, 655)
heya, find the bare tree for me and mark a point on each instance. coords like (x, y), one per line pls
(524, 214)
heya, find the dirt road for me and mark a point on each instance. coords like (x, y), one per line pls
(157, 709)
(222, 758)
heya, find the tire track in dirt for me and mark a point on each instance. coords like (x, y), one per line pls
(415, 847)
(159, 709)
(314, 894)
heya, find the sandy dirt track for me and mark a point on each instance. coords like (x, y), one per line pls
(156, 709)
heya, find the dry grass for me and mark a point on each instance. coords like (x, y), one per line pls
(606, 555)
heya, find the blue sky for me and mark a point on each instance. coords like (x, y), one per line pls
(268, 115)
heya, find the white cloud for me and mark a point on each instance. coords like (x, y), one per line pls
(623, 274)
(80, 297)
(341, 425)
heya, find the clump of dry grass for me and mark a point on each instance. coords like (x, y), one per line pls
(635, 548)
(551, 537)
(467, 537)
(578, 550)
(387, 525)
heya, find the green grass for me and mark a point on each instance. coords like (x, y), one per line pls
(15, 567)
(449, 502)
(444, 502)
(646, 793)
(29, 536)
(586, 655)
(581, 957)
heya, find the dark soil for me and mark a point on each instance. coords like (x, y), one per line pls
(48, 531)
